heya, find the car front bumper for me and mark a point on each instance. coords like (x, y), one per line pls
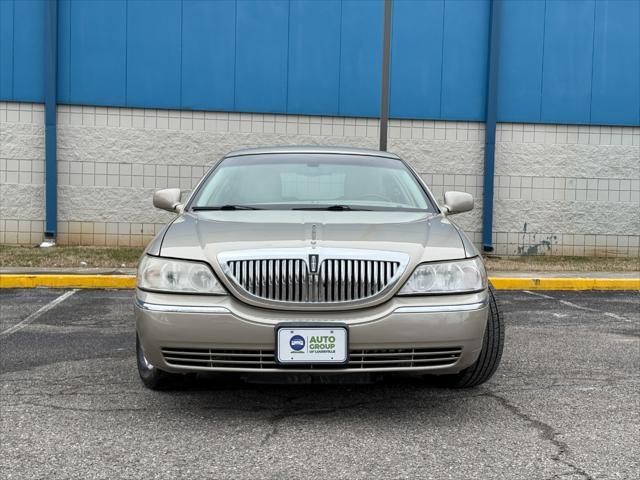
(438, 334)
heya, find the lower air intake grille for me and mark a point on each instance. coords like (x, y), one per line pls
(212, 359)
(203, 357)
(403, 357)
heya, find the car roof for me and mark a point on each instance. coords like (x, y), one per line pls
(311, 150)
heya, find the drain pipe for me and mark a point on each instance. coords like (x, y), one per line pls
(490, 125)
(384, 86)
(50, 103)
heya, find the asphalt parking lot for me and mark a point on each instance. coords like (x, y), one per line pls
(563, 404)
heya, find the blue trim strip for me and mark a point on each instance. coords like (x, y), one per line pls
(490, 126)
(50, 102)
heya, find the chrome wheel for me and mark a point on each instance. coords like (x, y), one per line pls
(153, 377)
(142, 359)
(146, 363)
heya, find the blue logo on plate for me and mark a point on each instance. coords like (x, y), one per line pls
(297, 342)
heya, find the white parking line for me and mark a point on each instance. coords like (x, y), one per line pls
(579, 307)
(617, 317)
(37, 314)
(536, 294)
(576, 306)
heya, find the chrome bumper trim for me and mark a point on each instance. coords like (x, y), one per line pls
(154, 307)
(442, 308)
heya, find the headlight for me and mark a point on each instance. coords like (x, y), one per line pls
(446, 277)
(177, 276)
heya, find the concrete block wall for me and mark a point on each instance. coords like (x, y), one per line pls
(567, 190)
(560, 189)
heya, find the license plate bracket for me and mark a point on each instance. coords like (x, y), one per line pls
(312, 344)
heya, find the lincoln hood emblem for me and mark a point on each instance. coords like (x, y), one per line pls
(313, 263)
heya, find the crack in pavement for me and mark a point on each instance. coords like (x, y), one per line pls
(293, 409)
(309, 412)
(77, 409)
(546, 432)
(256, 409)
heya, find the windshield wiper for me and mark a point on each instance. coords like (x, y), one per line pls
(225, 207)
(331, 208)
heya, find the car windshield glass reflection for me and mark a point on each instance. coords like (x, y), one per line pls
(311, 182)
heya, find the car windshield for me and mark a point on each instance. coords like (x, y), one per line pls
(310, 182)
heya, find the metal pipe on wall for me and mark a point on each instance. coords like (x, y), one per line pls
(384, 93)
(50, 103)
(490, 126)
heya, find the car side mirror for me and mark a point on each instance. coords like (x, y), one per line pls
(457, 202)
(168, 199)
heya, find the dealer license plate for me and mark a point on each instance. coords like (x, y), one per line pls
(312, 345)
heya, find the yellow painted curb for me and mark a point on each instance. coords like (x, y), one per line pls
(16, 280)
(547, 283)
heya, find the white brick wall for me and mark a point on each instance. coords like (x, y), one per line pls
(559, 189)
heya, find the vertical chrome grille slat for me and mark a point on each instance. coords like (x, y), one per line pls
(256, 275)
(270, 279)
(336, 280)
(303, 282)
(329, 268)
(349, 280)
(290, 280)
(283, 279)
(322, 288)
(374, 278)
(276, 278)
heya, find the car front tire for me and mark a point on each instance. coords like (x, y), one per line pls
(490, 355)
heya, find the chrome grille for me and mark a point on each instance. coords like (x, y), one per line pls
(337, 279)
(363, 359)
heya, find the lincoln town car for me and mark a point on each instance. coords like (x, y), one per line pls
(315, 261)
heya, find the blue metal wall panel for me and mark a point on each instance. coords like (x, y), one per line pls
(520, 64)
(6, 50)
(416, 59)
(261, 55)
(464, 64)
(562, 61)
(361, 57)
(98, 52)
(314, 57)
(208, 54)
(28, 51)
(567, 64)
(615, 97)
(64, 51)
(154, 53)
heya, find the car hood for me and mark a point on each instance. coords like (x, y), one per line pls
(204, 235)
